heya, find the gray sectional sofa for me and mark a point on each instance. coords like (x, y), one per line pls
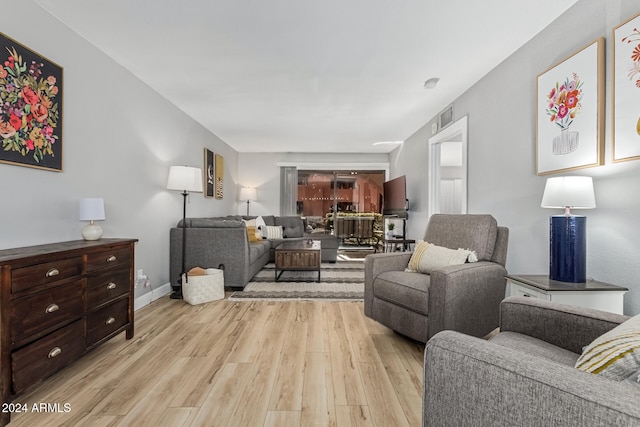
(222, 242)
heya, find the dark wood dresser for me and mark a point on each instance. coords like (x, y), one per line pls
(58, 301)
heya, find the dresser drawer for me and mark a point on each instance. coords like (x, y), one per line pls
(108, 259)
(107, 320)
(46, 356)
(40, 312)
(39, 274)
(105, 287)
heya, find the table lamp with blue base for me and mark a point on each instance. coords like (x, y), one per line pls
(567, 233)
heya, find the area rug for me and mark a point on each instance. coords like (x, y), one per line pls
(338, 281)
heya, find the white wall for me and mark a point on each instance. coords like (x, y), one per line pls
(120, 138)
(502, 177)
(260, 170)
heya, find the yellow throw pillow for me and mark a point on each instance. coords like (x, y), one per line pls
(252, 234)
(615, 354)
(427, 257)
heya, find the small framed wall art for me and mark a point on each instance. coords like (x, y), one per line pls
(626, 91)
(30, 107)
(570, 112)
(209, 177)
(219, 177)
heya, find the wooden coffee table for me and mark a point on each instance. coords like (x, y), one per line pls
(299, 255)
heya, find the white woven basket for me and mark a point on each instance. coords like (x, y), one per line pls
(201, 289)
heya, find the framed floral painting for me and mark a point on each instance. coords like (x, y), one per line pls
(570, 112)
(30, 107)
(626, 91)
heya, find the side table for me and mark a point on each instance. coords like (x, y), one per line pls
(590, 294)
(391, 245)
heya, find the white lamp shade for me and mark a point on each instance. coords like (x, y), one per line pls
(569, 191)
(248, 193)
(92, 209)
(185, 178)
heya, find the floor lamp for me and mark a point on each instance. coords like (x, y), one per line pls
(249, 194)
(567, 237)
(185, 179)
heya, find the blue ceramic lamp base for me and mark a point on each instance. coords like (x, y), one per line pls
(568, 248)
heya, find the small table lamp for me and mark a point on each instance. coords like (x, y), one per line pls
(185, 179)
(91, 210)
(249, 194)
(568, 242)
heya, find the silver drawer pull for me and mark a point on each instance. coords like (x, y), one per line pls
(55, 351)
(52, 272)
(52, 308)
(109, 321)
(112, 258)
(111, 285)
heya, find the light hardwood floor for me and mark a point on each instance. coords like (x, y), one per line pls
(241, 364)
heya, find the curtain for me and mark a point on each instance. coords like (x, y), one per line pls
(288, 190)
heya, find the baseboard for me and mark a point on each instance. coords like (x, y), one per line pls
(149, 297)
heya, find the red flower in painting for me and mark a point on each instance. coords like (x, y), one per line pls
(29, 96)
(635, 55)
(15, 121)
(572, 99)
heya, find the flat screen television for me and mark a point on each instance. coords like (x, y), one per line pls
(395, 197)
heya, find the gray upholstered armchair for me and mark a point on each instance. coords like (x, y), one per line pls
(465, 298)
(525, 375)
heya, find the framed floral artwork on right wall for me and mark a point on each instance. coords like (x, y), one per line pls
(626, 91)
(570, 112)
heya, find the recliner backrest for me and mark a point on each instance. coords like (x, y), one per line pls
(467, 231)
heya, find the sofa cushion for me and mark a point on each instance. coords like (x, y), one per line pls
(211, 222)
(269, 219)
(408, 290)
(474, 232)
(292, 226)
(258, 249)
(615, 354)
(427, 257)
(535, 347)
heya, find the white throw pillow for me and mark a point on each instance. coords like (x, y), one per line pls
(427, 257)
(274, 231)
(261, 225)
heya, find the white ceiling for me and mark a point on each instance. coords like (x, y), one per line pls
(308, 75)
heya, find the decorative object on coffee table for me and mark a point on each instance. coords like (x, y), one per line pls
(249, 195)
(92, 209)
(185, 179)
(568, 240)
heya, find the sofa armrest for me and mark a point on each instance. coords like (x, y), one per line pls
(470, 381)
(466, 298)
(566, 326)
(375, 264)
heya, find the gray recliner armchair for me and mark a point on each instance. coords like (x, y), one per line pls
(525, 375)
(465, 298)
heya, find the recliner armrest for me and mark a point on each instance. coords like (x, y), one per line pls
(375, 264)
(470, 381)
(566, 326)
